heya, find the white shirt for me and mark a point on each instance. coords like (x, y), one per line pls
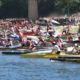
(56, 47)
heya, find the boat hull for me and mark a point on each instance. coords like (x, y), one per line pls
(68, 58)
(44, 55)
(56, 57)
(15, 52)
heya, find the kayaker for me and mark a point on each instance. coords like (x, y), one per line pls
(56, 49)
(76, 49)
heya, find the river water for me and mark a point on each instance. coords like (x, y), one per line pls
(17, 68)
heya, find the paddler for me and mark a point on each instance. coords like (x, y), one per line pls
(76, 49)
(56, 49)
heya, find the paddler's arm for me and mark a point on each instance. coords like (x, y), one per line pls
(55, 52)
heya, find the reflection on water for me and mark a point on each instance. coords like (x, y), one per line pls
(16, 68)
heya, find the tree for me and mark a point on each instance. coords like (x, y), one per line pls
(18, 8)
(13, 8)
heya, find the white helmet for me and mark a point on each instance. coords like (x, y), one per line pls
(76, 44)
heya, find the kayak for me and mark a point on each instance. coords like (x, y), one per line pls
(68, 58)
(54, 57)
(58, 57)
(44, 55)
(15, 52)
(8, 48)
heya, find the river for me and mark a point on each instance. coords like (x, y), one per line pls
(17, 68)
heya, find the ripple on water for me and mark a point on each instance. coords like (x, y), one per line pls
(16, 68)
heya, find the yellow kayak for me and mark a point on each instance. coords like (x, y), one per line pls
(58, 57)
(44, 55)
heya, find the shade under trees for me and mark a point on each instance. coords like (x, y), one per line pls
(18, 8)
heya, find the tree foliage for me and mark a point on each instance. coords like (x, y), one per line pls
(18, 8)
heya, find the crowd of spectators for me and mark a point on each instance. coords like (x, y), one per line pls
(43, 26)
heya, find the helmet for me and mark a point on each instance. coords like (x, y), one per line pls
(76, 44)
